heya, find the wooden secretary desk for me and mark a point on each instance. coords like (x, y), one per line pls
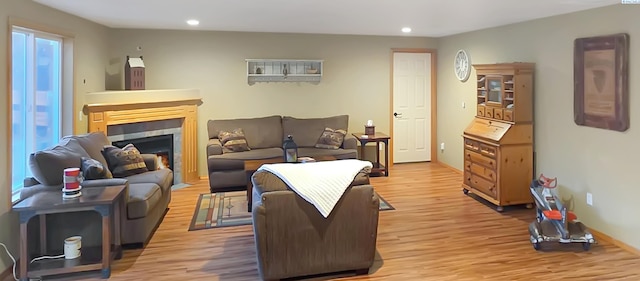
(498, 144)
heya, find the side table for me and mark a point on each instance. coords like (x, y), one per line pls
(377, 138)
(108, 201)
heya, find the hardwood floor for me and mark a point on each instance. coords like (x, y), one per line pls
(435, 233)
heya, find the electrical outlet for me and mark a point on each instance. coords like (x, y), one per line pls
(442, 146)
(589, 199)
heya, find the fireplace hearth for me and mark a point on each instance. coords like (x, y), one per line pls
(161, 146)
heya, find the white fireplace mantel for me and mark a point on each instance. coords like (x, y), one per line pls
(124, 107)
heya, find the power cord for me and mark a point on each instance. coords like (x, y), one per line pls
(12, 259)
(34, 259)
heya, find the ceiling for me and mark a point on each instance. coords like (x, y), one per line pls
(432, 18)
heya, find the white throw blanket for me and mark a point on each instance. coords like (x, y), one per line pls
(320, 183)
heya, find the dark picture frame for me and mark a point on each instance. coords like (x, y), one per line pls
(601, 82)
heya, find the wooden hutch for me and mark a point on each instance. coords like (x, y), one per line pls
(498, 144)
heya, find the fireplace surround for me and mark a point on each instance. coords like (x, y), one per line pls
(137, 114)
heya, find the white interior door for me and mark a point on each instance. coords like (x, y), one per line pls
(411, 107)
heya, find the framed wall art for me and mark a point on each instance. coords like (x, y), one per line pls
(601, 82)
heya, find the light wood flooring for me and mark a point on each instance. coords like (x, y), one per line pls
(435, 233)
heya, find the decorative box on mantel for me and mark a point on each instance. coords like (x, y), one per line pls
(134, 74)
(113, 108)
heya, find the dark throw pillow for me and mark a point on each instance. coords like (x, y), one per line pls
(92, 169)
(124, 162)
(331, 139)
(233, 141)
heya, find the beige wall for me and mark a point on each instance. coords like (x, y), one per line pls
(356, 79)
(584, 159)
(90, 50)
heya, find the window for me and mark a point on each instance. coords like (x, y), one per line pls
(36, 82)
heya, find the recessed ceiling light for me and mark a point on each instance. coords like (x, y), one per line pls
(193, 22)
(406, 29)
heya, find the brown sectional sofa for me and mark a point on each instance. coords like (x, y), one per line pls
(293, 239)
(265, 136)
(148, 193)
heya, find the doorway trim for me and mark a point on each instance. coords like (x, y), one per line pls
(434, 99)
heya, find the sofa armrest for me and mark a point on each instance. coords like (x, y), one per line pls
(151, 161)
(104, 182)
(350, 142)
(214, 147)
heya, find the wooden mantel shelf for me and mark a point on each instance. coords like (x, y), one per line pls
(124, 107)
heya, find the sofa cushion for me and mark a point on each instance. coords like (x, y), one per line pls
(261, 132)
(331, 139)
(235, 161)
(142, 198)
(124, 161)
(162, 177)
(233, 141)
(337, 153)
(47, 165)
(93, 144)
(92, 169)
(306, 131)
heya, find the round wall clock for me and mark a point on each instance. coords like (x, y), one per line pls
(462, 65)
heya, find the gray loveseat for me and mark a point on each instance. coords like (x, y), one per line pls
(147, 199)
(265, 136)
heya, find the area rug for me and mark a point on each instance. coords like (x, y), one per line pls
(230, 209)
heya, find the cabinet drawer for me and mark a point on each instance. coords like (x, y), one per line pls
(497, 113)
(467, 178)
(479, 159)
(481, 110)
(487, 173)
(467, 165)
(507, 115)
(485, 186)
(471, 145)
(488, 112)
(488, 150)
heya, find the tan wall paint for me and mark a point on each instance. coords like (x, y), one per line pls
(90, 50)
(355, 80)
(584, 159)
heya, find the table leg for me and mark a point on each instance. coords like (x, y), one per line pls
(249, 173)
(386, 158)
(119, 205)
(43, 234)
(24, 259)
(378, 153)
(106, 246)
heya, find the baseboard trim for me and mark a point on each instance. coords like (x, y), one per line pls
(4, 275)
(204, 177)
(450, 167)
(604, 237)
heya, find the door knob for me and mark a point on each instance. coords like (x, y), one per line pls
(397, 114)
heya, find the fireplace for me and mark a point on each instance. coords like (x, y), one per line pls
(161, 146)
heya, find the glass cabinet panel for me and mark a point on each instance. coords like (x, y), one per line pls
(494, 87)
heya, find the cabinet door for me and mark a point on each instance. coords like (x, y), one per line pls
(494, 90)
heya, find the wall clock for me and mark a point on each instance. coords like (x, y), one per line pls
(462, 65)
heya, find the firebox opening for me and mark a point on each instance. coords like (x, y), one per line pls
(161, 146)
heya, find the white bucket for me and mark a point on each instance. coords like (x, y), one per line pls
(72, 246)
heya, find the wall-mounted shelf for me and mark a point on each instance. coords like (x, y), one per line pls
(284, 70)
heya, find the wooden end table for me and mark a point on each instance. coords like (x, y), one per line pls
(251, 166)
(108, 201)
(377, 138)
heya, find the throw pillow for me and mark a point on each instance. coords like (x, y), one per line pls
(124, 162)
(331, 139)
(92, 169)
(233, 141)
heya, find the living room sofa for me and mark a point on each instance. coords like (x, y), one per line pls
(146, 201)
(265, 136)
(293, 239)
